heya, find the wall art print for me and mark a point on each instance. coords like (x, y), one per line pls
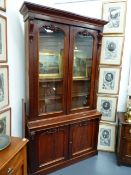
(50, 65)
(107, 106)
(106, 137)
(111, 52)
(3, 5)
(5, 122)
(114, 12)
(4, 87)
(3, 39)
(109, 80)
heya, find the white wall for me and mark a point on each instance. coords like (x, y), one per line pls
(16, 61)
(95, 10)
(81, 8)
(89, 8)
(126, 63)
(16, 53)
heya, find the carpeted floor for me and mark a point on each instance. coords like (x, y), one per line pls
(104, 163)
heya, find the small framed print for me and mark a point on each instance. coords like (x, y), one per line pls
(3, 39)
(50, 65)
(106, 137)
(3, 5)
(107, 106)
(4, 86)
(111, 52)
(109, 80)
(5, 122)
(82, 68)
(114, 12)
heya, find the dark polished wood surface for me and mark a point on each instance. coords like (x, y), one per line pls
(13, 158)
(68, 135)
(123, 140)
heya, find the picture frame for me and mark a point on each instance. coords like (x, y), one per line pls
(107, 105)
(115, 13)
(109, 78)
(4, 86)
(50, 65)
(5, 122)
(3, 5)
(82, 68)
(111, 51)
(3, 39)
(106, 137)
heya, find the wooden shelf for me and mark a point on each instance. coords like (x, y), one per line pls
(50, 80)
(80, 94)
(60, 79)
(81, 79)
(50, 98)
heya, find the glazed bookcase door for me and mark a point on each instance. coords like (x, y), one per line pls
(83, 68)
(53, 49)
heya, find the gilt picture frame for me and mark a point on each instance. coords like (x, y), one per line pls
(5, 122)
(106, 137)
(111, 52)
(82, 68)
(3, 39)
(107, 105)
(3, 5)
(114, 13)
(109, 78)
(50, 65)
(4, 86)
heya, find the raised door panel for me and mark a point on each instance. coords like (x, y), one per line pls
(123, 140)
(52, 146)
(126, 131)
(83, 138)
(126, 151)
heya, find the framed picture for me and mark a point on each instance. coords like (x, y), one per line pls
(107, 106)
(5, 122)
(3, 39)
(111, 52)
(114, 12)
(106, 137)
(4, 86)
(82, 67)
(50, 65)
(109, 80)
(3, 5)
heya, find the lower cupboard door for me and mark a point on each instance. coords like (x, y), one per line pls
(83, 137)
(126, 150)
(52, 146)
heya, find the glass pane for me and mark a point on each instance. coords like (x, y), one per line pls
(51, 44)
(82, 66)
